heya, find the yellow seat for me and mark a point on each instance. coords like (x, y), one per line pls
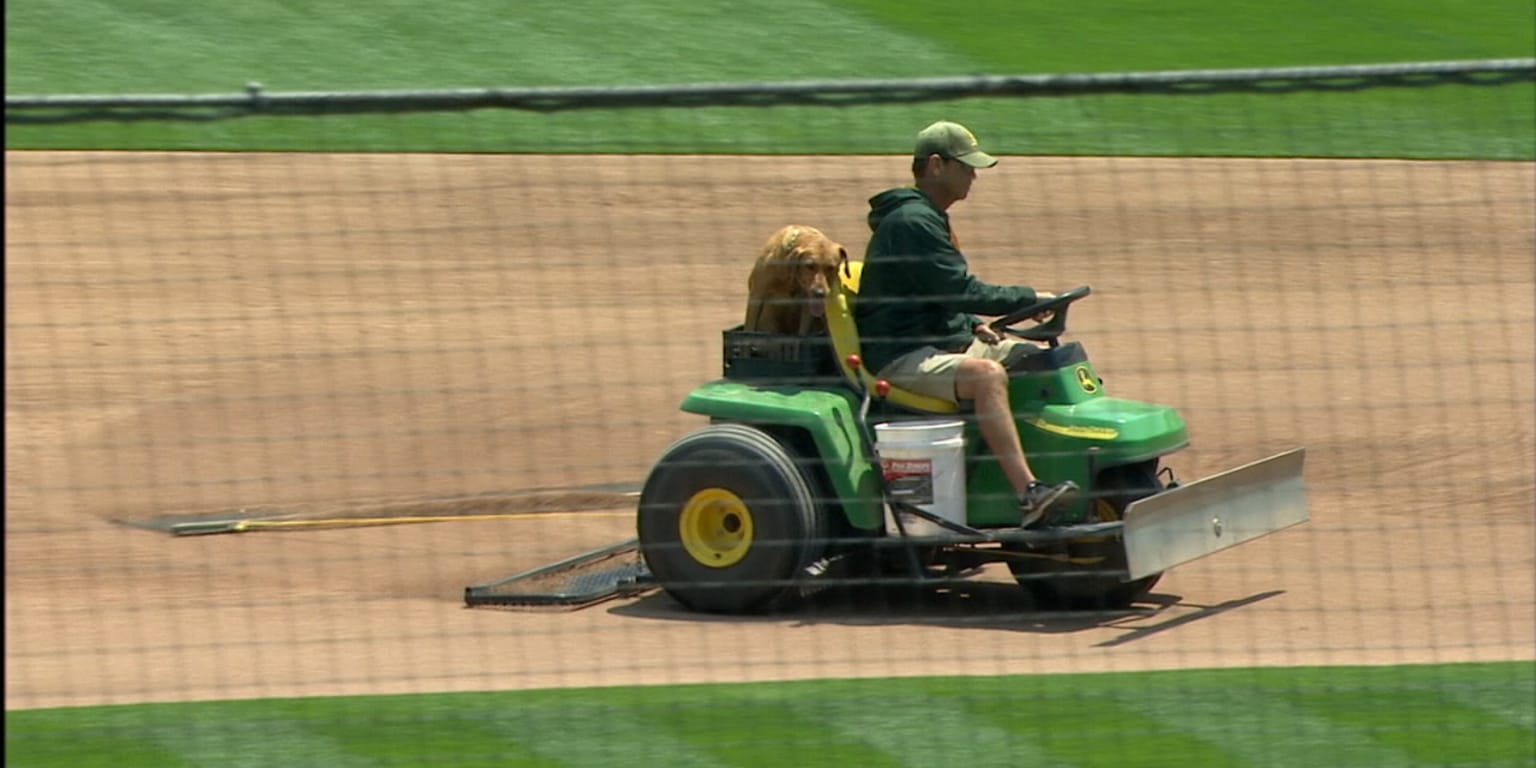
(845, 342)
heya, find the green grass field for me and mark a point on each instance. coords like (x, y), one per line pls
(164, 46)
(1467, 715)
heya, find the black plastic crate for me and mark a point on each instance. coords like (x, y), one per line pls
(776, 359)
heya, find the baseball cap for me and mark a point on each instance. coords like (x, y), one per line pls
(954, 141)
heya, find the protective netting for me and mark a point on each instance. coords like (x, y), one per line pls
(193, 336)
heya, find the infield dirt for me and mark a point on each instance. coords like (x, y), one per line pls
(192, 333)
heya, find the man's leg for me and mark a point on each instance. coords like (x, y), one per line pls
(986, 383)
(1003, 351)
(982, 379)
(969, 376)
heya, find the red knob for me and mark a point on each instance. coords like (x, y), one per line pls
(855, 362)
(882, 387)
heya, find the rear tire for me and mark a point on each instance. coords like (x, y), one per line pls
(728, 521)
(1065, 575)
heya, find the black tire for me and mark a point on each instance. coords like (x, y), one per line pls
(728, 521)
(1069, 575)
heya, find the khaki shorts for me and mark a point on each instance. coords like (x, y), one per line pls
(931, 371)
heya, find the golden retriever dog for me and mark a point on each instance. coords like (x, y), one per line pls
(787, 291)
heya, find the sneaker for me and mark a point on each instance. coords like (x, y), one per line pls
(1041, 498)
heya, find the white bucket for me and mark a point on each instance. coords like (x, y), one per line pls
(924, 465)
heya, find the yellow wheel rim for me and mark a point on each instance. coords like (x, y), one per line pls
(1102, 512)
(716, 528)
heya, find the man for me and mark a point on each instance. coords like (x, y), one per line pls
(915, 300)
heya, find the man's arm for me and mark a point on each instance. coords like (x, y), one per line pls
(943, 276)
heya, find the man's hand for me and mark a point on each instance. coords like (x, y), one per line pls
(987, 334)
(1043, 296)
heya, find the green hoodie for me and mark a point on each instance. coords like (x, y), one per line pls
(915, 289)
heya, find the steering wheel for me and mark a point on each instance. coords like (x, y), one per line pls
(1047, 330)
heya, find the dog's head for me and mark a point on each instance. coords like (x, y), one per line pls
(801, 263)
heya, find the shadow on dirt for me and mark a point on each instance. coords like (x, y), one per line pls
(977, 604)
(616, 578)
(1199, 612)
(971, 605)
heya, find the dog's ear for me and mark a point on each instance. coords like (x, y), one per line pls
(830, 256)
(840, 267)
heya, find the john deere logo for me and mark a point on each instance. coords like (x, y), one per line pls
(1085, 380)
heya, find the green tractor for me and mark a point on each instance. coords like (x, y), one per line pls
(810, 471)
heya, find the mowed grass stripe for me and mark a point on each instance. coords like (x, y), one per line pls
(1422, 724)
(159, 46)
(119, 738)
(1113, 35)
(87, 747)
(664, 41)
(463, 737)
(600, 735)
(1514, 703)
(1247, 723)
(1122, 734)
(800, 731)
(920, 731)
(291, 743)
